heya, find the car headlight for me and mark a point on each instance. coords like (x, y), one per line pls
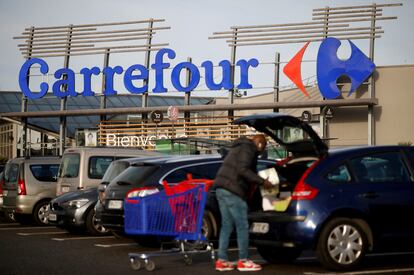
(78, 203)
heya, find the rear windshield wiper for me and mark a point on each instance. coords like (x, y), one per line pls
(123, 182)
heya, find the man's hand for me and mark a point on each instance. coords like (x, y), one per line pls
(267, 184)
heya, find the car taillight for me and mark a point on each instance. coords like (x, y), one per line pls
(21, 188)
(1, 186)
(304, 191)
(141, 192)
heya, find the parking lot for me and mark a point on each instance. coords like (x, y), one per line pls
(49, 250)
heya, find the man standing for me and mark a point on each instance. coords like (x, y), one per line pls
(234, 179)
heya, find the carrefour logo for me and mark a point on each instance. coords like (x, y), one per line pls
(329, 68)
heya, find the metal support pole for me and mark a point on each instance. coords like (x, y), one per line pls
(63, 101)
(147, 65)
(103, 97)
(24, 106)
(276, 88)
(371, 88)
(187, 96)
(232, 73)
(322, 120)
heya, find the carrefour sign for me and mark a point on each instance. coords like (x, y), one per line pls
(329, 68)
(133, 73)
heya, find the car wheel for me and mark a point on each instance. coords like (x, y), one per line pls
(342, 244)
(277, 255)
(207, 228)
(92, 225)
(41, 213)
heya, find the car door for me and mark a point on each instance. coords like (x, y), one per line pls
(385, 185)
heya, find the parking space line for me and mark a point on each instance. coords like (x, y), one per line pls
(27, 228)
(8, 224)
(382, 271)
(42, 233)
(82, 238)
(116, 244)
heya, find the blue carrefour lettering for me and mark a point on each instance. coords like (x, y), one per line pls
(194, 79)
(65, 80)
(109, 79)
(329, 68)
(23, 74)
(226, 79)
(244, 72)
(128, 77)
(66, 86)
(158, 66)
(87, 75)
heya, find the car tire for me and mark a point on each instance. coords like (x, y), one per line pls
(342, 244)
(278, 255)
(41, 212)
(92, 226)
(207, 226)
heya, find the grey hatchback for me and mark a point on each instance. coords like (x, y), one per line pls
(29, 185)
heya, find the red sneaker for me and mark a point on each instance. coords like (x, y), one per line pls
(248, 265)
(222, 265)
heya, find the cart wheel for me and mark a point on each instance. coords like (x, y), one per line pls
(149, 265)
(135, 263)
(188, 261)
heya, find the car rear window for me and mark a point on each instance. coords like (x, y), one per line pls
(69, 167)
(45, 172)
(98, 166)
(200, 171)
(135, 175)
(11, 172)
(114, 170)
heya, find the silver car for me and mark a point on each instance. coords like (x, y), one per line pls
(28, 186)
(83, 167)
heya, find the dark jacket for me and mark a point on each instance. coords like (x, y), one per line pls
(238, 171)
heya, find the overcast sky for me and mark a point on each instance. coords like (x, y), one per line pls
(192, 22)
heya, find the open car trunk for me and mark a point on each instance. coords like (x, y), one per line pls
(304, 147)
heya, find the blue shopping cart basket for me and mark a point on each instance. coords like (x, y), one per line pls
(177, 215)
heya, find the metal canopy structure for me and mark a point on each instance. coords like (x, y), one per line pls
(87, 39)
(329, 21)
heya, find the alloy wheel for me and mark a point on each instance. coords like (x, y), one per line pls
(43, 214)
(345, 244)
(97, 226)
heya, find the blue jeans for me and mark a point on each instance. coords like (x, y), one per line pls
(233, 211)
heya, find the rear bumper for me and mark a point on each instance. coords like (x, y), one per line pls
(112, 220)
(284, 230)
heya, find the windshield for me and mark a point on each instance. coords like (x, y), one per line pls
(69, 167)
(134, 175)
(114, 170)
(289, 134)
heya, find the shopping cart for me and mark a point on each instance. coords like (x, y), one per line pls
(176, 212)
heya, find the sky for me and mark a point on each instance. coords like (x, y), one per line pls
(192, 22)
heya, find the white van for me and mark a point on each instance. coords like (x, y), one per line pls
(83, 168)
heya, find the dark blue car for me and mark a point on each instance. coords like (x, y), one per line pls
(341, 203)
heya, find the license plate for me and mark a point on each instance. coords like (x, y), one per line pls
(115, 204)
(65, 189)
(52, 217)
(259, 227)
(5, 192)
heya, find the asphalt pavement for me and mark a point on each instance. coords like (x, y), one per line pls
(48, 250)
